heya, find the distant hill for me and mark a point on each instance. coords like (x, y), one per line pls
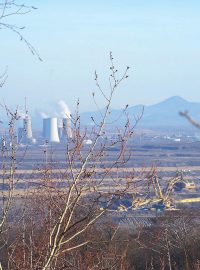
(162, 114)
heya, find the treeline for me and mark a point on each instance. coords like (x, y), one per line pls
(172, 242)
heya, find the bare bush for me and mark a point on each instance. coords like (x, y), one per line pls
(56, 222)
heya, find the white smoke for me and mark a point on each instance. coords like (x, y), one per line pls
(61, 110)
(65, 111)
(21, 114)
(56, 114)
(44, 115)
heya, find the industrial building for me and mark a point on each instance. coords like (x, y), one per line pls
(55, 130)
(50, 130)
(25, 135)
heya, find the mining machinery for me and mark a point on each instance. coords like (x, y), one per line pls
(162, 199)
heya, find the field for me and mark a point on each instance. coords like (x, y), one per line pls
(166, 157)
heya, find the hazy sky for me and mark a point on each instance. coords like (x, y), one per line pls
(159, 40)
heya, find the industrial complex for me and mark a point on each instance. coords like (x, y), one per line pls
(52, 131)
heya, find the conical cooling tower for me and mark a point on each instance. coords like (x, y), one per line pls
(50, 129)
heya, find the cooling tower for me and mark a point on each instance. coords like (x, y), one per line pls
(27, 129)
(25, 134)
(50, 129)
(67, 131)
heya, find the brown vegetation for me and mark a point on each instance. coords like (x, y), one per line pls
(49, 223)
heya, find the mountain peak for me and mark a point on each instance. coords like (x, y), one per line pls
(174, 99)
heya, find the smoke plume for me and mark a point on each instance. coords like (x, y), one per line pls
(65, 112)
(44, 115)
(21, 114)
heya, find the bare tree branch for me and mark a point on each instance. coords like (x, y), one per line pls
(190, 119)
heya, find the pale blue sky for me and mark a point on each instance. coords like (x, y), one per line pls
(159, 40)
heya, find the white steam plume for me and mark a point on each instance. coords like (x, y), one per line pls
(21, 114)
(65, 112)
(44, 115)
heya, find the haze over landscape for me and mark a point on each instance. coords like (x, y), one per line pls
(164, 114)
(159, 40)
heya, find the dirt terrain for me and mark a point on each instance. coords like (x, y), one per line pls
(166, 157)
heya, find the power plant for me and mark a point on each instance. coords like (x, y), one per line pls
(50, 130)
(54, 134)
(25, 134)
(56, 128)
(28, 128)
